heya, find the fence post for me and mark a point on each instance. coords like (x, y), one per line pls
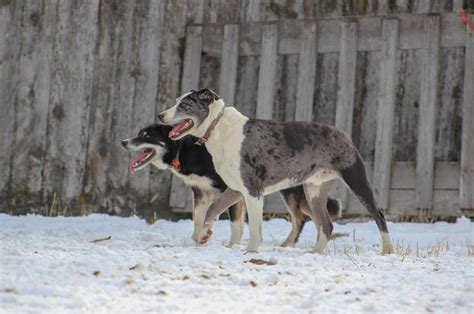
(229, 63)
(306, 73)
(466, 187)
(386, 105)
(427, 113)
(346, 87)
(267, 71)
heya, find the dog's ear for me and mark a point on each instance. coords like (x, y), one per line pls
(207, 94)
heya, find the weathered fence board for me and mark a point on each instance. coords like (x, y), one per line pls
(123, 111)
(346, 86)
(427, 117)
(467, 146)
(449, 106)
(366, 99)
(10, 45)
(383, 145)
(229, 63)
(192, 59)
(306, 73)
(32, 101)
(145, 67)
(102, 107)
(71, 85)
(267, 70)
(180, 195)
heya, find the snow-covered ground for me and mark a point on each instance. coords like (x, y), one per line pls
(50, 264)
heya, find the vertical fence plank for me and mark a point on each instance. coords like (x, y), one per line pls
(306, 73)
(427, 117)
(467, 139)
(175, 18)
(229, 62)
(145, 64)
(71, 86)
(32, 103)
(267, 71)
(346, 86)
(181, 195)
(247, 72)
(192, 59)
(10, 44)
(102, 108)
(386, 106)
(119, 200)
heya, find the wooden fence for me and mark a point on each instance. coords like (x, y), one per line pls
(402, 188)
(76, 77)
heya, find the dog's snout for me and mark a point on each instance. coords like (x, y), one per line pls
(161, 116)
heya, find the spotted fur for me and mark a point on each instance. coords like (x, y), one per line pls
(257, 157)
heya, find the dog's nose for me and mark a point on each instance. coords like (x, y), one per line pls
(161, 116)
(124, 143)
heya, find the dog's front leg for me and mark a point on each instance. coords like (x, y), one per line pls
(255, 213)
(228, 198)
(202, 201)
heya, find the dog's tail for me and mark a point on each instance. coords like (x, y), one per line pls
(334, 207)
(356, 179)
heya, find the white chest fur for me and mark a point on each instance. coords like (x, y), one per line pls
(225, 144)
(202, 183)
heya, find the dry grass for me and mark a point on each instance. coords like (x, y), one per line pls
(403, 250)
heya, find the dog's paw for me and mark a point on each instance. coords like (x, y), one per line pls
(195, 237)
(205, 237)
(387, 249)
(252, 247)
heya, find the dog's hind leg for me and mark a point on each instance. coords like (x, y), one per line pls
(293, 198)
(297, 206)
(202, 201)
(236, 215)
(356, 179)
(317, 196)
(255, 213)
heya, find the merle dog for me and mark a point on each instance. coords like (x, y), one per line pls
(258, 157)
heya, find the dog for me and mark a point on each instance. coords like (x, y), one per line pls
(257, 157)
(193, 164)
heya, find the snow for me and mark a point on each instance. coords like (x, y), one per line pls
(50, 265)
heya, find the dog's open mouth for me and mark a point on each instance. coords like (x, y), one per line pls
(141, 160)
(181, 127)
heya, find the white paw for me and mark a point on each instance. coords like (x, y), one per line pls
(252, 246)
(204, 236)
(321, 244)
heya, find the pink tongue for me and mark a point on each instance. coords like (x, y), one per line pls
(177, 128)
(139, 159)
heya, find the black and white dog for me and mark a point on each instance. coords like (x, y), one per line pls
(193, 164)
(258, 157)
